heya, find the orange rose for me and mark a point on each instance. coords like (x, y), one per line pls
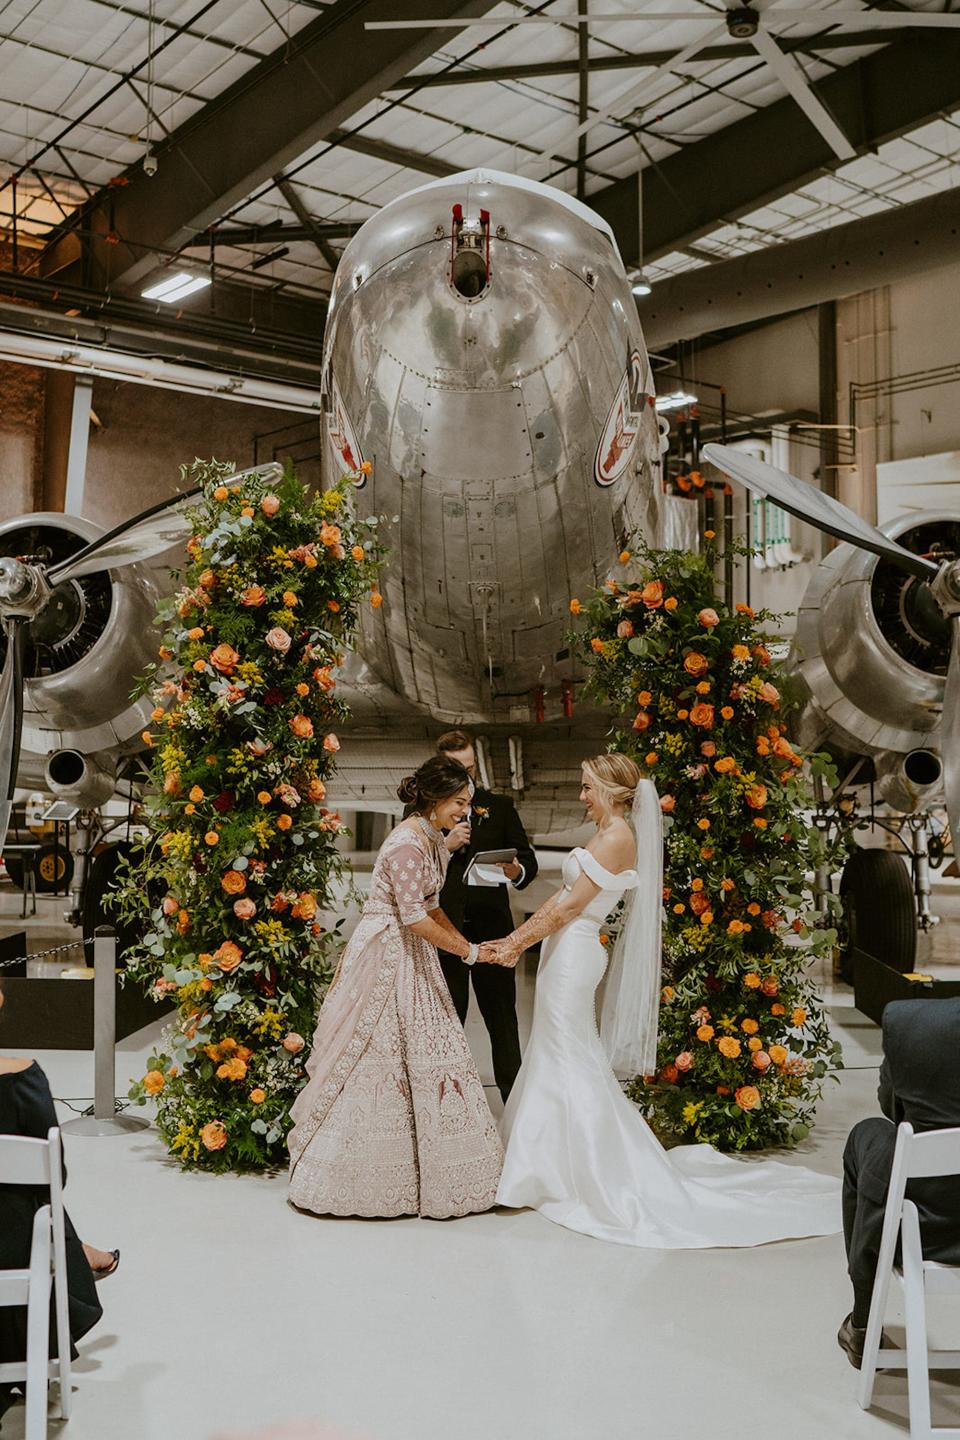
(778, 1009)
(754, 1043)
(753, 909)
(728, 1047)
(725, 765)
(769, 986)
(670, 603)
(575, 607)
(211, 838)
(769, 693)
(727, 884)
(727, 712)
(153, 1082)
(284, 822)
(331, 744)
(756, 797)
(742, 609)
(679, 908)
(213, 1136)
(668, 803)
(695, 663)
(165, 652)
(760, 822)
(740, 652)
(670, 1073)
(624, 556)
(704, 687)
(799, 1016)
(752, 980)
(667, 993)
(207, 580)
(366, 467)
(747, 1097)
(749, 1027)
(682, 714)
(302, 726)
(708, 618)
(253, 596)
(293, 1043)
(736, 927)
(270, 504)
(699, 902)
(644, 697)
(171, 786)
(651, 758)
(316, 790)
(778, 1054)
(357, 552)
(703, 824)
(643, 721)
(763, 745)
(305, 908)
(702, 715)
(232, 1069)
(708, 748)
(625, 629)
(257, 1096)
(761, 1060)
(323, 677)
(224, 658)
(221, 492)
(376, 600)
(228, 956)
(652, 594)
(705, 1033)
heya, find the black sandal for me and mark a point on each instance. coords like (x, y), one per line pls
(99, 1275)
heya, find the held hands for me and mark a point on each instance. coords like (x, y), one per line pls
(458, 837)
(499, 952)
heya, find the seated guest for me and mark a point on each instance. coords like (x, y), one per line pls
(920, 1083)
(26, 1108)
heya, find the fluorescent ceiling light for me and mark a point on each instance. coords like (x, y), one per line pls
(676, 401)
(175, 287)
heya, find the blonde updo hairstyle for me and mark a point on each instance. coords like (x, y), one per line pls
(615, 777)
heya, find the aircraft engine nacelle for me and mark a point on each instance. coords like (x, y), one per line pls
(871, 652)
(484, 353)
(81, 653)
(82, 779)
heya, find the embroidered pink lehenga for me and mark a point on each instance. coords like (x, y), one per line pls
(393, 1120)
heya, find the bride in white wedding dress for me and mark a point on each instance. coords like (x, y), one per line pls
(577, 1149)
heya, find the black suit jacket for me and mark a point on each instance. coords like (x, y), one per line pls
(920, 1082)
(478, 912)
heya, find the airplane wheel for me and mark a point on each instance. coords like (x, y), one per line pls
(879, 911)
(101, 873)
(54, 869)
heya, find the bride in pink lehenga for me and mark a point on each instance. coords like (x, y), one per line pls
(394, 1120)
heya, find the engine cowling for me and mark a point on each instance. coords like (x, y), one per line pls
(871, 652)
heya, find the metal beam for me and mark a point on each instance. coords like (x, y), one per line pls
(315, 231)
(274, 114)
(393, 154)
(276, 230)
(844, 260)
(646, 59)
(583, 97)
(776, 150)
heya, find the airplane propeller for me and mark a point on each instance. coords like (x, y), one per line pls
(27, 586)
(943, 578)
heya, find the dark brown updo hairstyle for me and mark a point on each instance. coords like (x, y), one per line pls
(437, 779)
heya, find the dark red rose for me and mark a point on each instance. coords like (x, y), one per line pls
(223, 802)
(273, 697)
(713, 984)
(266, 983)
(199, 864)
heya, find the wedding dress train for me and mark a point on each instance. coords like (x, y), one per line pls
(580, 1152)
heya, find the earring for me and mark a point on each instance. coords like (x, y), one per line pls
(433, 817)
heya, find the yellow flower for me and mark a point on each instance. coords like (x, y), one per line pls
(691, 1111)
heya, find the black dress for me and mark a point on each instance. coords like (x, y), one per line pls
(26, 1108)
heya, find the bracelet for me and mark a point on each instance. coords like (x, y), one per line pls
(471, 956)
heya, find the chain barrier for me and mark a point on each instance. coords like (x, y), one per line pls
(42, 954)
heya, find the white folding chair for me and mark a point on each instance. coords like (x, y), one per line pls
(26, 1161)
(931, 1153)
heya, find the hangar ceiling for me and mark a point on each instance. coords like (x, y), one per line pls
(277, 128)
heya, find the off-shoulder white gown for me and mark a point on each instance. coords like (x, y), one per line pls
(580, 1152)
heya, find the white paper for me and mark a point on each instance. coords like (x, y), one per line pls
(486, 875)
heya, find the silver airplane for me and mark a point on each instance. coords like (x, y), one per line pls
(484, 353)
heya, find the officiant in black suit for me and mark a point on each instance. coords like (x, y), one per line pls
(919, 1082)
(483, 913)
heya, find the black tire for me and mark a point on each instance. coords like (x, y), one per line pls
(879, 911)
(53, 867)
(98, 881)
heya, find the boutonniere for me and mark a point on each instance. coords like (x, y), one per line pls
(480, 811)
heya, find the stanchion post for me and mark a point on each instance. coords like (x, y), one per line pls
(104, 1120)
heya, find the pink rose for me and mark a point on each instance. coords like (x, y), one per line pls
(684, 1060)
(769, 692)
(708, 617)
(761, 1060)
(625, 629)
(668, 803)
(270, 504)
(293, 1043)
(278, 639)
(244, 909)
(170, 905)
(331, 744)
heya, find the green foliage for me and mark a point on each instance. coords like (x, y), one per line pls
(229, 886)
(744, 1045)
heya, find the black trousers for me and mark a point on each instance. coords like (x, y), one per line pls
(495, 987)
(867, 1160)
